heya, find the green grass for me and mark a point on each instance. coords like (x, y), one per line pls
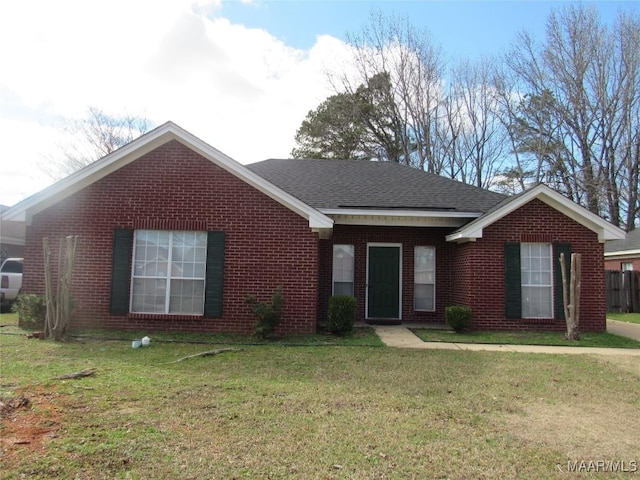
(277, 411)
(361, 336)
(625, 317)
(364, 336)
(527, 338)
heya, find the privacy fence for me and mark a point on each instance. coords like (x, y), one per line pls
(623, 291)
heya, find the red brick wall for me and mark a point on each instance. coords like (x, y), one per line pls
(478, 280)
(174, 188)
(359, 236)
(617, 263)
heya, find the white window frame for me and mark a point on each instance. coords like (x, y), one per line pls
(416, 249)
(334, 273)
(626, 266)
(168, 277)
(540, 271)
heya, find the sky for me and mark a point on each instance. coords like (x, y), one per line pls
(240, 75)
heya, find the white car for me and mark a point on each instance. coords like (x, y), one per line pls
(10, 281)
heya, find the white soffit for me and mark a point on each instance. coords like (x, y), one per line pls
(623, 254)
(398, 217)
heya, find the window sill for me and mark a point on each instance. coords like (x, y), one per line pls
(541, 321)
(163, 316)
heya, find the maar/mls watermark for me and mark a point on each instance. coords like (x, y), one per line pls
(599, 466)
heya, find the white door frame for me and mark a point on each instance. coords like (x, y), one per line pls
(366, 304)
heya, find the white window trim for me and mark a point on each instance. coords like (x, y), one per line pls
(168, 277)
(366, 304)
(434, 280)
(551, 286)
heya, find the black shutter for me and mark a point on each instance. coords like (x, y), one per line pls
(121, 271)
(512, 281)
(215, 274)
(558, 302)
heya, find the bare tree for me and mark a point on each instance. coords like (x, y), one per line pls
(94, 137)
(475, 137)
(580, 118)
(391, 53)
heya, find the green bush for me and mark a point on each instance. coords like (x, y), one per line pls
(342, 314)
(458, 317)
(31, 310)
(269, 315)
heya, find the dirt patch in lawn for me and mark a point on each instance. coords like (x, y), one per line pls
(581, 432)
(29, 419)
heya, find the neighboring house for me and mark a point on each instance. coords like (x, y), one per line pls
(173, 235)
(623, 254)
(11, 237)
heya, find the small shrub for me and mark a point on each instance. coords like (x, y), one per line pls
(31, 310)
(458, 317)
(269, 315)
(342, 314)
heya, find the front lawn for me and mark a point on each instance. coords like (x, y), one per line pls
(277, 411)
(625, 317)
(526, 338)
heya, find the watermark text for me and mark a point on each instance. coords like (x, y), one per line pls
(599, 466)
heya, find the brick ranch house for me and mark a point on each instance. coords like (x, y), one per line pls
(623, 254)
(173, 235)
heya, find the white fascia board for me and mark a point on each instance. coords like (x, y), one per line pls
(399, 218)
(605, 230)
(24, 210)
(624, 253)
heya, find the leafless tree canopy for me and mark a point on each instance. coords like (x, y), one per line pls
(94, 137)
(563, 110)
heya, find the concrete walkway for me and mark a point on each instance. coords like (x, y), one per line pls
(624, 329)
(401, 337)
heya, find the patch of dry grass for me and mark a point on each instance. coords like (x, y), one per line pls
(314, 412)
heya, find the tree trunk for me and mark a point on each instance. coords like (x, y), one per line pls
(571, 294)
(59, 305)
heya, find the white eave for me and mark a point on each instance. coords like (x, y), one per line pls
(398, 217)
(605, 230)
(623, 254)
(25, 210)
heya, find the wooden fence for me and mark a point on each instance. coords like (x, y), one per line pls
(623, 291)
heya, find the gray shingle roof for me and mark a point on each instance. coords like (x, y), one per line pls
(363, 184)
(631, 242)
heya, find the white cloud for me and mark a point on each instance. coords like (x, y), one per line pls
(241, 90)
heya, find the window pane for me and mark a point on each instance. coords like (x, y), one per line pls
(424, 297)
(536, 302)
(151, 253)
(187, 297)
(188, 254)
(537, 280)
(343, 288)
(148, 295)
(343, 258)
(424, 264)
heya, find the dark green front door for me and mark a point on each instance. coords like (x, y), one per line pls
(383, 295)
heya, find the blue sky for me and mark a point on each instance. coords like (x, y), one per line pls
(463, 28)
(241, 75)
